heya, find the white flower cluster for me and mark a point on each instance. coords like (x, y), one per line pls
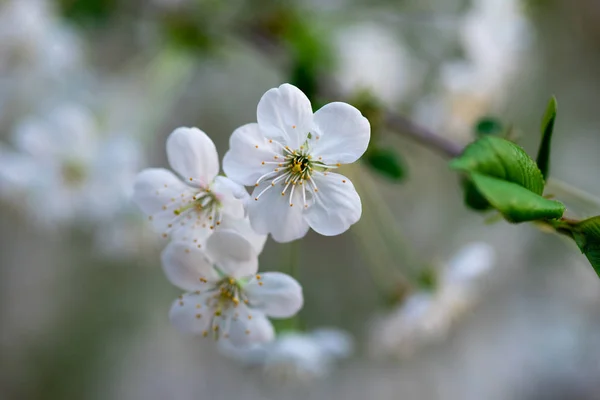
(65, 165)
(217, 229)
(427, 317)
(63, 170)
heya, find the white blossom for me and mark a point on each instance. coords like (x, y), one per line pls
(296, 356)
(289, 155)
(372, 58)
(427, 316)
(226, 298)
(192, 203)
(38, 52)
(62, 170)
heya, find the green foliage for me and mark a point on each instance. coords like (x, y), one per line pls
(386, 162)
(488, 126)
(88, 11)
(543, 157)
(499, 158)
(311, 55)
(586, 234)
(514, 202)
(473, 198)
(187, 32)
(286, 325)
(502, 176)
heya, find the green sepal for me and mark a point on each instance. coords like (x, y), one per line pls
(514, 202)
(547, 127)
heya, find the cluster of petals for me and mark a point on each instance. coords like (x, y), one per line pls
(226, 298)
(427, 316)
(289, 156)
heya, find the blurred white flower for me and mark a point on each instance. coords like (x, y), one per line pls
(495, 36)
(190, 205)
(65, 172)
(296, 356)
(426, 317)
(494, 33)
(37, 51)
(226, 298)
(371, 57)
(287, 156)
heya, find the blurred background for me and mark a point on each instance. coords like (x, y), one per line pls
(90, 89)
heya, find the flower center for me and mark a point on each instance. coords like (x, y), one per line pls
(228, 294)
(201, 210)
(294, 168)
(73, 173)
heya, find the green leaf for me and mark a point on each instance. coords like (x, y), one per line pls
(488, 126)
(499, 158)
(386, 162)
(586, 234)
(516, 203)
(543, 157)
(473, 198)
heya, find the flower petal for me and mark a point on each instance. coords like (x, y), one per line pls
(242, 226)
(231, 195)
(285, 114)
(336, 206)
(189, 314)
(154, 190)
(343, 133)
(187, 267)
(277, 295)
(232, 253)
(334, 342)
(192, 154)
(248, 148)
(470, 262)
(272, 213)
(252, 355)
(244, 331)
